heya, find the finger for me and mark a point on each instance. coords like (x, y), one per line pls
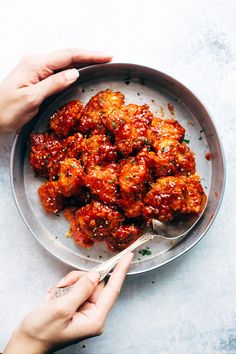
(70, 278)
(54, 83)
(80, 291)
(95, 295)
(111, 291)
(66, 57)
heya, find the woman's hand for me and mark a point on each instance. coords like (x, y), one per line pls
(82, 313)
(36, 78)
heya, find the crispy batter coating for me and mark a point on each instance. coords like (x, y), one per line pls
(66, 119)
(123, 237)
(129, 125)
(165, 128)
(94, 221)
(133, 177)
(99, 106)
(45, 155)
(103, 182)
(51, 198)
(173, 158)
(112, 167)
(98, 150)
(73, 145)
(47, 152)
(71, 177)
(172, 195)
(80, 238)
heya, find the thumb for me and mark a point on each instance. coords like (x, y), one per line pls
(55, 83)
(81, 291)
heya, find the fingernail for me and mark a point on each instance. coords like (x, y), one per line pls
(93, 276)
(72, 74)
(61, 282)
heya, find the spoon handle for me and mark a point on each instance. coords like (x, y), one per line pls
(104, 268)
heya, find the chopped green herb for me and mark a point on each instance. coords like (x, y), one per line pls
(127, 177)
(187, 141)
(200, 138)
(145, 252)
(113, 123)
(164, 149)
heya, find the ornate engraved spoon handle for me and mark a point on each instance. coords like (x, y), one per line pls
(104, 268)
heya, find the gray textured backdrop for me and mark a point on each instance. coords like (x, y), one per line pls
(191, 307)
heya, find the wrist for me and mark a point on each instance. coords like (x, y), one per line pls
(20, 343)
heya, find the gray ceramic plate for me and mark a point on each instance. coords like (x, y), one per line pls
(140, 85)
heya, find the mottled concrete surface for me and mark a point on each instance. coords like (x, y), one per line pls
(191, 307)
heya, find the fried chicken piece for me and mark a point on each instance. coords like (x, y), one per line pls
(71, 177)
(80, 238)
(174, 195)
(95, 222)
(66, 119)
(173, 158)
(129, 124)
(51, 198)
(45, 154)
(123, 237)
(99, 106)
(73, 145)
(165, 129)
(103, 182)
(133, 176)
(97, 149)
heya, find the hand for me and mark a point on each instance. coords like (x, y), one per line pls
(34, 79)
(82, 313)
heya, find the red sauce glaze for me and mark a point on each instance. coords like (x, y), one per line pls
(66, 119)
(112, 167)
(71, 177)
(208, 156)
(51, 197)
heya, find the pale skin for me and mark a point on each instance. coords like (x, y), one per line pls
(56, 322)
